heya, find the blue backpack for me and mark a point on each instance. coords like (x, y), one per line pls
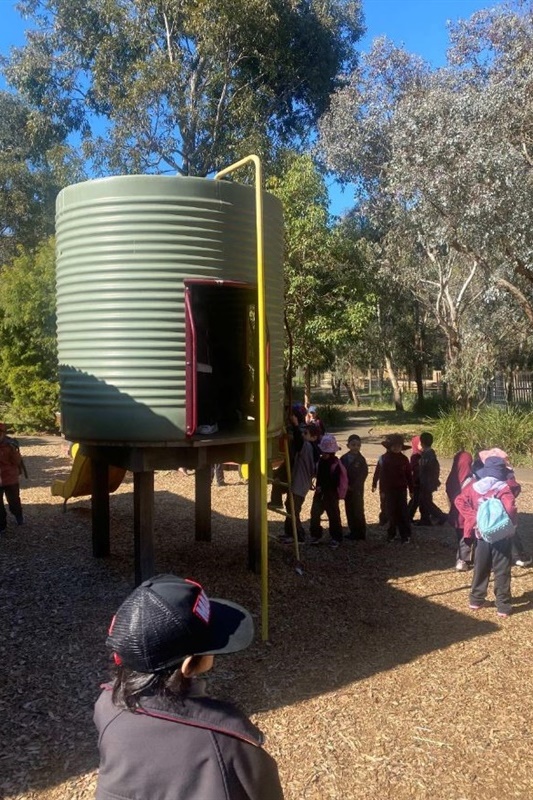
(492, 520)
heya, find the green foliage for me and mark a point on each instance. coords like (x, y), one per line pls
(34, 400)
(186, 85)
(432, 405)
(28, 350)
(509, 428)
(333, 416)
(33, 167)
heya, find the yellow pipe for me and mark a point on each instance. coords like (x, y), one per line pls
(262, 340)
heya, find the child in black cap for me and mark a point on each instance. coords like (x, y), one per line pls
(160, 736)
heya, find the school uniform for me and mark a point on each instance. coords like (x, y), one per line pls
(395, 479)
(429, 473)
(489, 557)
(354, 502)
(326, 500)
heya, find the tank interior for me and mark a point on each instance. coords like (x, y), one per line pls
(221, 357)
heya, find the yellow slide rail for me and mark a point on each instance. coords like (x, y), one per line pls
(262, 341)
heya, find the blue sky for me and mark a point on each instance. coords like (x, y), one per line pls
(418, 25)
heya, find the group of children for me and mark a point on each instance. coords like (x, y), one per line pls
(405, 486)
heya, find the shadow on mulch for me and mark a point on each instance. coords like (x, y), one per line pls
(341, 622)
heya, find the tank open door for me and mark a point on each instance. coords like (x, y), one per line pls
(221, 344)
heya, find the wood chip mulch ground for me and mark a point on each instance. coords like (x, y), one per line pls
(377, 683)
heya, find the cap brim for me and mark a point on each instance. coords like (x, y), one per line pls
(231, 629)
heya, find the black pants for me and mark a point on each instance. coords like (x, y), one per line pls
(465, 547)
(329, 502)
(279, 476)
(494, 558)
(354, 505)
(428, 508)
(298, 503)
(398, 516)
(12, 494)
(518, 551)
(414, 502)
(217, 472)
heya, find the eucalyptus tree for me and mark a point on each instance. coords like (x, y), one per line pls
(183, 85)
(33, 164)
(443, 162)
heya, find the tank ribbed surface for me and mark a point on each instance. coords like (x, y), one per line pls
(125, 247)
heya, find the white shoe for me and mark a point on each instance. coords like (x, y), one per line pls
(524, 562)
(205, 430)
(461, 566)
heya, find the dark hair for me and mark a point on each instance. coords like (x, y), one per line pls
(129, 686)
(426, 439)
(312, 429)
(354, 438)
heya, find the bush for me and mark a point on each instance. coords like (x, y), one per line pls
(34, 401)
(332, 416)
(433, 405)
(508, 428)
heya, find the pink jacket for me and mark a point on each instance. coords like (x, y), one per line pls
(467, 502)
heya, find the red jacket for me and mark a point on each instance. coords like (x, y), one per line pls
(10, 460)
(460, 474)
(468, 501)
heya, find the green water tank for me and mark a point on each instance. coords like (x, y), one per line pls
(131, 253)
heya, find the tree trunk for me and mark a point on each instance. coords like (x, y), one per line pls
(307, 386)
(419, 382)
(396, 391)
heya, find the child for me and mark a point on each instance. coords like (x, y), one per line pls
(414, 502)
(395, 479)
(429, 471)
(328, 479)
(376, 481)
(160, 736)
(10, 467)
(303, 471)
(357, 471)
(494, 557)
(520, 556)
(313, 418)
(460, 476)
(279, 475)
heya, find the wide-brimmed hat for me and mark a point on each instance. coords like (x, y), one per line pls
(168, 618)
(312, 409)
(328, 444)
(494, 467)
(394, 438)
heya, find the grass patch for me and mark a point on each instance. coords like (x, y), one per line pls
(508, 428)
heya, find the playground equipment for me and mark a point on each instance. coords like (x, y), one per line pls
(170, 339)
(79, 482)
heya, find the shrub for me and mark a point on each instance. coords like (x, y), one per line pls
(332, 416)
(508, 428)
(34, 401)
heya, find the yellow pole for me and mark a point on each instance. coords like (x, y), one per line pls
(262, 340)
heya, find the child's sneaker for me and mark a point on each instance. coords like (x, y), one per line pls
(503, 614)
(524, 562)
(315, 540)
(461, 566)
(475, 606)
(334, 544)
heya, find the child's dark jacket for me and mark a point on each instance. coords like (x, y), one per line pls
(357, 470)
(429, 470)
(395, 472)
(199, 749)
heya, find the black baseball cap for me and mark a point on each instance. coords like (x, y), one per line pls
(167, 618)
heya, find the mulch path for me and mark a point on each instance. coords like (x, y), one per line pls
(377, 681)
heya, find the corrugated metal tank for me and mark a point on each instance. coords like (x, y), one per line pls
(125, 247)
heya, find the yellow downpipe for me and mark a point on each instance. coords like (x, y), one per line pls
(262, 341)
